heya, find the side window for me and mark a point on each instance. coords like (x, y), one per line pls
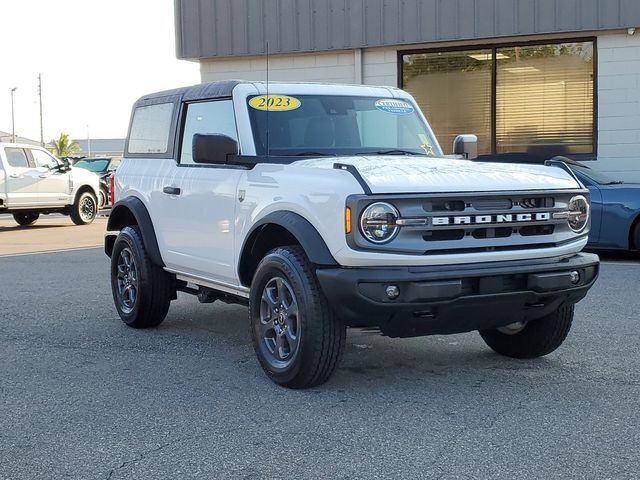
(44, 160)
(207, 117)
(150, 129)
(17, 157)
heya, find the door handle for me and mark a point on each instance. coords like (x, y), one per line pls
(171, 190)
(15, 175)
(45, 175)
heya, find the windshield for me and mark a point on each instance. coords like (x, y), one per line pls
(593, 175)
(338, 125)
(96, 166)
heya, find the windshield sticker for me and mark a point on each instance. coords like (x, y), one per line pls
(274, 103)
(426, 144)
(398, 107)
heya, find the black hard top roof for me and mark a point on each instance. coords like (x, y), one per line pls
(194, 92)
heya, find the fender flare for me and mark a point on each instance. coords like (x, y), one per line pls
(306, 234)
(120, 217)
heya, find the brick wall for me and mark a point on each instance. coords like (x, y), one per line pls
(333, 67)
(619, 105)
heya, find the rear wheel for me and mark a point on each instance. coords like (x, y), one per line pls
(102, 198)
(85, 209)
(26, 219)
(532, 339)
(296, 336)
(142, 291)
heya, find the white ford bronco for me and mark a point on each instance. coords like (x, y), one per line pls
(326, 206)
(34, 182)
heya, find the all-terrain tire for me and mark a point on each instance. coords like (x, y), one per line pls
(26, 219)
(320, 335)
(85, 209)
(149, 305)
(538, 337)
(103, 198)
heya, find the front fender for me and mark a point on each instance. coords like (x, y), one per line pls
(306, 234)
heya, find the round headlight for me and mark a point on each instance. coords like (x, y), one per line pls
(578, 213)
(378, 222)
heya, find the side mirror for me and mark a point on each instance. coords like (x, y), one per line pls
(466, 145)
(213, 149)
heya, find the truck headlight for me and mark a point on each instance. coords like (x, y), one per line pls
(578, 213)
(378, 222)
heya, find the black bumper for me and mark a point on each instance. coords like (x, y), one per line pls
(456, 298)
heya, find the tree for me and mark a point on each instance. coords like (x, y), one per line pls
(63, 146)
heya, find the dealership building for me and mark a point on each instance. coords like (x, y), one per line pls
(547, 77)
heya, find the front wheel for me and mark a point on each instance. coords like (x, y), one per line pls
(26, 219)
(532, 339)
(296, 336)
(84, 211)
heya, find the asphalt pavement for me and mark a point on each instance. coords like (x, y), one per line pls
(82, 396)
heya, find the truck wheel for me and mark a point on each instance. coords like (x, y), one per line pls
(26, 219)
(141, 290)
(296, 335)
(102, 198)
(84, 211)
(533, 339)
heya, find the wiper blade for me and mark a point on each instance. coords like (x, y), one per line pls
(312, 154)
(615, 182)
(393, 152)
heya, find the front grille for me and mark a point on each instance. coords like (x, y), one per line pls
(469, 223)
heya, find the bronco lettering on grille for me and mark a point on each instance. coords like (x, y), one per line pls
(492, 219)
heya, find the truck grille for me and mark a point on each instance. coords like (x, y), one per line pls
(467, 223)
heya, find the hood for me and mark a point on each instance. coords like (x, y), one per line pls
(83, 175)
(408, 174)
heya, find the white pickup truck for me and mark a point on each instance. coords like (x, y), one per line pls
(34, 182)
(327, 206)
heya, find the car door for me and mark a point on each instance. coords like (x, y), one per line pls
(21, 179)
(54, 185)
(198, 203)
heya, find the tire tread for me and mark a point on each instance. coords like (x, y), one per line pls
(540, 337)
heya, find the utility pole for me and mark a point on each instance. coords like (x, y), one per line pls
(40, 96)
(88, 141)
(13, 120)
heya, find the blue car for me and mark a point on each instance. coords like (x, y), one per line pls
(615, 208)
(615, 205)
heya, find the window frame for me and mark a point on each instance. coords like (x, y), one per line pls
(27, 155)
(35, 162)
(494, 77)
(173, 99)
(184, 108)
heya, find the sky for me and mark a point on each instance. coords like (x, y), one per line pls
(96, 58)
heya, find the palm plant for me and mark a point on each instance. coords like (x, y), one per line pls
(63, 146)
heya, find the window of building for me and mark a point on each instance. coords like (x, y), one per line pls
(536, 99)
(215, 117)
(150, 129)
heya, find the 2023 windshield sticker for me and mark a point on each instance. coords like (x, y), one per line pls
(274, 103)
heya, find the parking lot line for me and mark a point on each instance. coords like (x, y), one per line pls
(61, 250)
